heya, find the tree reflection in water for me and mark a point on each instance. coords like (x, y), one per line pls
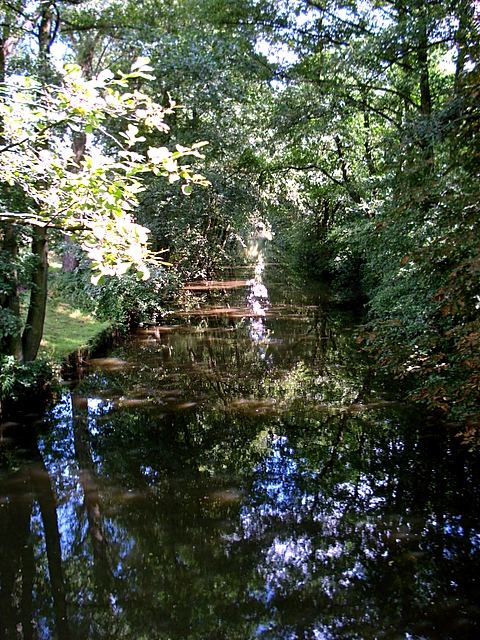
(201, 494)
(30, 552)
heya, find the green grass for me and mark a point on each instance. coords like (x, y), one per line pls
(67, 330)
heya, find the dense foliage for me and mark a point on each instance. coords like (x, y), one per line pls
(377, 124)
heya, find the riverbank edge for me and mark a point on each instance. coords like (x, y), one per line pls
(71, 364)
(49, 374)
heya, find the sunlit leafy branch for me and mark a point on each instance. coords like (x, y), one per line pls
(93, 199)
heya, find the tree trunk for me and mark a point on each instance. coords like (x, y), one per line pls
(12, 344)
(32, 334)
(425, 90)
(422, 57)
(11, 300)
(351, 190)
(85, 59)
(33, 331)
(48, 509)
(46, 35)
(69, 256)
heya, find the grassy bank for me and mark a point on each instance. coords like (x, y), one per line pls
(67, 330)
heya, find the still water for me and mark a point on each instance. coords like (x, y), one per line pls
(238, 473)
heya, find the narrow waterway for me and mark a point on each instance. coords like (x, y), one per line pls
(238, 473)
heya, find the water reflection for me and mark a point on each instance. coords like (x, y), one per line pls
(258, 303)
(30, 553)
(194, 492)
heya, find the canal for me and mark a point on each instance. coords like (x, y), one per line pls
(239, 472)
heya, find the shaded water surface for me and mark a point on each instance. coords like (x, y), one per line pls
(238, 474)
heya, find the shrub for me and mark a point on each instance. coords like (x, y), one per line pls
(125, 300)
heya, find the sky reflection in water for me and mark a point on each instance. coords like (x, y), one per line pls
(216, 485)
